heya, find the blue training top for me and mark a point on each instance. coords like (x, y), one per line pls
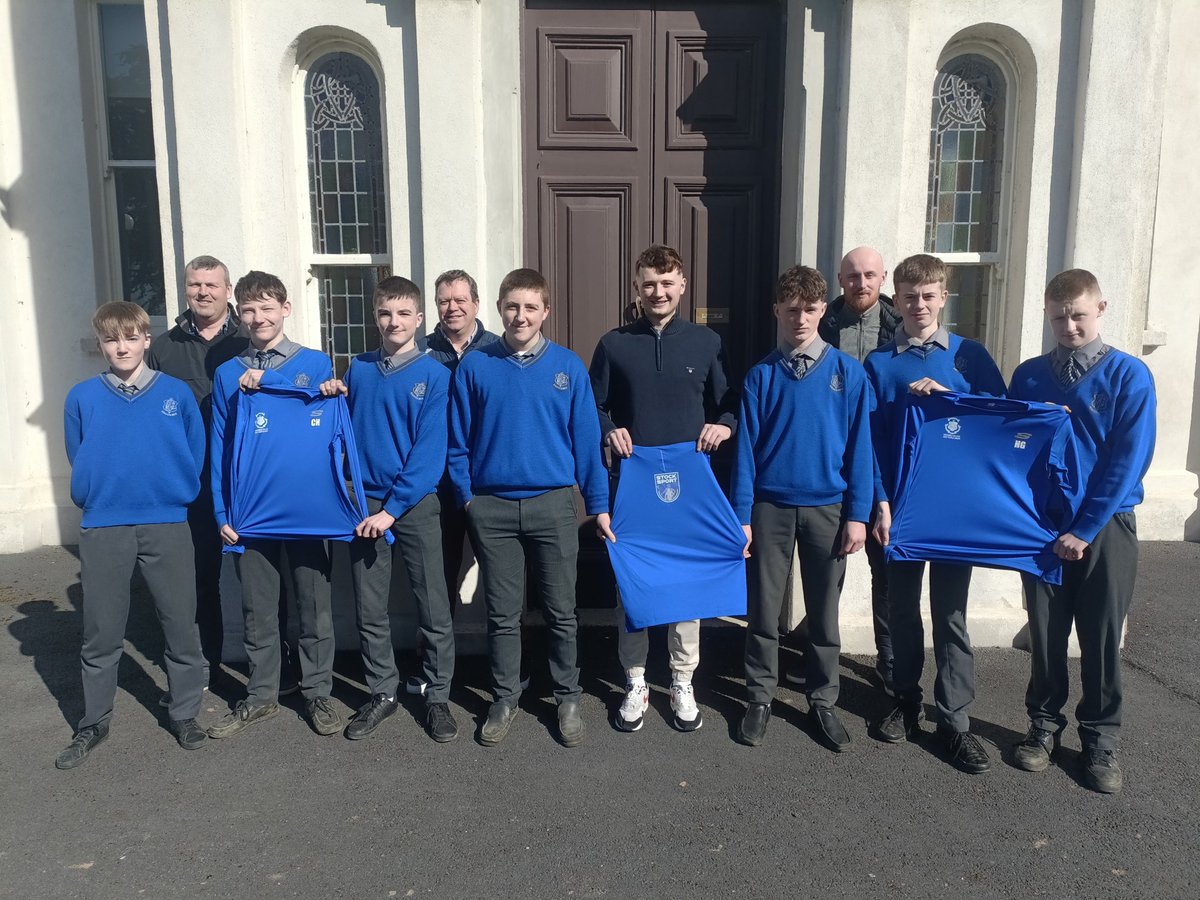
(984, 481)
(1113, 414)
(678, 554)
(285, 466)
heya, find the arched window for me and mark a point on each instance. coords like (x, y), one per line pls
(348, 200)
(964, 222)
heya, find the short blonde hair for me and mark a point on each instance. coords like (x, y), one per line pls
(119, 319)
(920, 269)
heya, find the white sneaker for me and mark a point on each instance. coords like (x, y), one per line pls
(683, 703)
(632, 711)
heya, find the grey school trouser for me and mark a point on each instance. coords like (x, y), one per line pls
(419, 542)
(107, 557)
(814, 533)
(504, 532)
(954, 685)
(1095, 596)
(260, 570)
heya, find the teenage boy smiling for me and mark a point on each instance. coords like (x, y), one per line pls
(263, 306)
(398, 404)
(523, 433)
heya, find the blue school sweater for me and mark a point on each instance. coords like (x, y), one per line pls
(399, 417)
(965, 367)
(519, 430)
(985, 481)
(805, 441)
(135, 460)
(1113, 415)
(304, 368)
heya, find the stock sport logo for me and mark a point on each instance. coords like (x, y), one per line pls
(666, 486)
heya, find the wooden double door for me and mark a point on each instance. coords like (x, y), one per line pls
(658, 124)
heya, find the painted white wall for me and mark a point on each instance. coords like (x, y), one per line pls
(46, 267)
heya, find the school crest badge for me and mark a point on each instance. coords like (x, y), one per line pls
(562, 381)
(1100, 402)
(260, 423)
(170, 407)
(835, 383)
(418, 390)
(666, 486)
(302, 380)
(953, 427)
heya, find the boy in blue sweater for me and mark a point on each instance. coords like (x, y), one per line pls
(523, 433)
(925, 358)
(263, 307)
(803, 477)
(135, 440)
(1111, 398)
(398, 405)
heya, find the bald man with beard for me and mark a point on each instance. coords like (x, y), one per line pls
(858, 321)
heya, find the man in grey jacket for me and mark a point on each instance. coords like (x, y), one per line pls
(858, 321)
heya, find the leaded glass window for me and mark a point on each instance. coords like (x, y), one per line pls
(345, 156)
(347, 200)
(347, 317)
(963, 220)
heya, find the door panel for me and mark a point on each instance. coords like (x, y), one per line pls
(587, 167)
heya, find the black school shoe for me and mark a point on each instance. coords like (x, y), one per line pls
(1101, 772)
(81, 745)
(829, 729)
(1033, 753)
(439, 723)
(901, 723)
(323, 718)
(370, 715)
(189, 735)
(499, 719)
(243, 715)
(967, 753)
(753, 727)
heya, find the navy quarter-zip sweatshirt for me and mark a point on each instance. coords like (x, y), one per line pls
(662, 386)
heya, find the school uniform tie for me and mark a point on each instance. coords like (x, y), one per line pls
(387, 364)
(1072, 371)
(129, 389)
(800, 365)
(262, 359)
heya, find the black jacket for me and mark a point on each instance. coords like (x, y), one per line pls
(438, 346)
(183, 354)
(662, 387)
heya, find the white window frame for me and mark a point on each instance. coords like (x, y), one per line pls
(111, 276)
(312, 259)
(997, 260)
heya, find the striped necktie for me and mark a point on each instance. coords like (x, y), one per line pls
(262, 359)
(1072, 371)
(800, 365)
(129, 389)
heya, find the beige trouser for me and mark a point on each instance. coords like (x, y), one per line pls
(683, 646)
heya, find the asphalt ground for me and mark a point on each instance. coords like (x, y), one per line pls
(279, 812)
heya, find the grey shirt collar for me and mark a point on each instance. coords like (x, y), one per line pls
(527, 356)
(284, 350)
(941, 337)
(1086, 356)
(399, 359)
(813, 351)
(141, 381)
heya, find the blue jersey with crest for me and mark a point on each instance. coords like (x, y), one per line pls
(678, 554)
(285, 465)
(984, 481)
